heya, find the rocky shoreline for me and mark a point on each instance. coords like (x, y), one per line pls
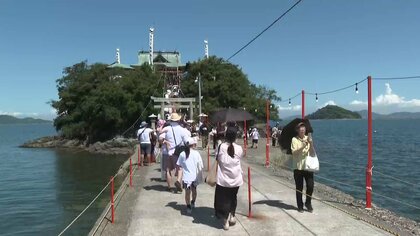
(115, 146)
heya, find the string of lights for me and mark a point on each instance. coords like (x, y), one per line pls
(264, 30)
(398, 78)
(353, 85)
(291, 98)
(316, 94)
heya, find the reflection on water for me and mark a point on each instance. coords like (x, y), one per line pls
(44, 189)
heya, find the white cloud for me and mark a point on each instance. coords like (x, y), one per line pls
(390, 100)
(290, 108)
(13, 113)
(358, 102)
(330, 102)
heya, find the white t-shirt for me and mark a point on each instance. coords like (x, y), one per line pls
(190, 166)
(181, 136)
(229, 173)
(145, 136)
(164, 148)
(255, 135)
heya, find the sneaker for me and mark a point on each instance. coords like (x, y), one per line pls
(225, 224)
(178, 186)
(192, 204)
(309, 207)
(232, 220)
(189, 209)
(300, 210)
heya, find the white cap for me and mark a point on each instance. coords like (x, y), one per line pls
(191, 141)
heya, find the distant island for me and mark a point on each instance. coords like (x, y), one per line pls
(6, 119)
(392, 116)
(333, 112)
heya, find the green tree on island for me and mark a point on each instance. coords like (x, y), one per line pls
(97, 103)
(225, 85)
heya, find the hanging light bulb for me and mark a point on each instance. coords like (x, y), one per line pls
(357, 89)
(290, 103)
(316, 97)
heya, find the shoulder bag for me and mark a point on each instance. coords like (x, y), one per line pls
(211, 178)
(178, 147)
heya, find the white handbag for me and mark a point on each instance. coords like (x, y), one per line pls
(312, 162)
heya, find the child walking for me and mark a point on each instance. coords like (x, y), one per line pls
(191, 165)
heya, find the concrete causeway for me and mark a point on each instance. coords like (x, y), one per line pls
(148, 209)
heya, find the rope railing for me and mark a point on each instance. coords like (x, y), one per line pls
(344, 166)
(356, 216)
(95, 198)
(84, 210)
(287, 100)
(376, 171)
(397, 179)
(357, 187)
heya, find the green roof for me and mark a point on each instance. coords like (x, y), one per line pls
(168, 59)
(119, 65)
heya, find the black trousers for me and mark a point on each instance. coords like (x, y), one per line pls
(225, 201)
(214, 141)
(273, 142)
(299, 175)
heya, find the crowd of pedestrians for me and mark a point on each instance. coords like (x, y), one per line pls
(182, 164)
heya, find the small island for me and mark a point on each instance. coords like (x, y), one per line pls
(333, 112)
(6, 119)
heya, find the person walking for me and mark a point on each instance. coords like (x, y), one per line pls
(213, 134)
(175, 137)
(255, 136)
(301, 145)
(191, 166)
(144, 137)
(274, 133)
(204, 133)
(229, 178)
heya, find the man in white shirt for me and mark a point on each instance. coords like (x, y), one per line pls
(255, 136)
(143, 135)
(175, 135)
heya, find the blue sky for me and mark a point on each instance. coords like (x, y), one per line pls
(321, 45)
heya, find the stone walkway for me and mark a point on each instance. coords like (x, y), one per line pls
(148, 209)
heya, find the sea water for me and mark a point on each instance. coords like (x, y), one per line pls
(341, 146)
(42, 190)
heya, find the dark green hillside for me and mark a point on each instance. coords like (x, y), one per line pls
(333, 112)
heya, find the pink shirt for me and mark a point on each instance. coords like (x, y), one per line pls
(229, 172)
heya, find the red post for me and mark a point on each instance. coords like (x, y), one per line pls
(369, 163)
(208, 157)
(267, 145)
(245, 137)
(138, 156)
(303, 104)
(131, 173)
(249, 193)
(112, 199)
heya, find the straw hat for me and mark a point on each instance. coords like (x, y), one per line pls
(175, 117)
